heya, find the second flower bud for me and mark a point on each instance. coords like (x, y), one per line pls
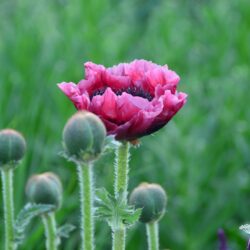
(84, 136)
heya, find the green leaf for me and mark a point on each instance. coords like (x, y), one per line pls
(245, 228)
(25, 216)
(115, 210)
(133, 217)
(65, 230)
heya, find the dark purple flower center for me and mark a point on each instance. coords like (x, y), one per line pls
(134, 91)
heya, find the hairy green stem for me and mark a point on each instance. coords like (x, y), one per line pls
(7, 183)
(153, 235)
(121, 184)
(86, 200)
(119, 239)
(122, 169)
(50, 230)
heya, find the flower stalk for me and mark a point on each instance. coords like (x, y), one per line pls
(7, 182)
(122, 169)
(121, 185)
(152, 235)
(50, 230)
(119, 239)
(86, 203)
(83, 137)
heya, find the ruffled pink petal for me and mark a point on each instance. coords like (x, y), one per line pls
(136, 69)
(71, 90)
(105, 105)
(128, 106)
(89, 86)
(116, 81)
(138, 126)
(148, 75)
(93, 78)
(86, 85)
(140, 123)
(68, 88)
(93, 71)
(163, 76)
(97, 77)
(118, 70)
(172, 104)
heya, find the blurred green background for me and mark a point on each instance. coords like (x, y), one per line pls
(201, 158)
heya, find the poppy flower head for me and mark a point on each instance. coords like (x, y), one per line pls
(132, 99)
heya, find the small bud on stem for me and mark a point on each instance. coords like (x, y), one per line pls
(12, 148)
(45, 188)
(152, 199)
(84, 136)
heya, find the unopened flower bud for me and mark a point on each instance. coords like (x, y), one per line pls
(152, 199)
(12, 147)
(84, 136)
(45, 188)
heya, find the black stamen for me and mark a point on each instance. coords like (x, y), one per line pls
(134, 91)
(98, 92)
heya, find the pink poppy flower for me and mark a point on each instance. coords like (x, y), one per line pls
(132, 99)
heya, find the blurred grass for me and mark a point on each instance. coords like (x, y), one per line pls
(201, 158)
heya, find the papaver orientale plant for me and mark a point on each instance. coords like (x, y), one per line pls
(133, 100)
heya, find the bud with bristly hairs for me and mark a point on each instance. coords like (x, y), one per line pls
(12, 148)
(45, 188)
(152, 199)
(84, 136)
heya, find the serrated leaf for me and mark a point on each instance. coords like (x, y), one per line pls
(26, 215)
(133, 217)
(65, 230)
(115, 210)
(245, 228)
(102, 195)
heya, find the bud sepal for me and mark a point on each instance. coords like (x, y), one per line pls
(25, 216)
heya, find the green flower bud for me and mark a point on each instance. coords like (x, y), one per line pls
(12, 148)
(45, 188)
(152, 199)
(84, 136)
